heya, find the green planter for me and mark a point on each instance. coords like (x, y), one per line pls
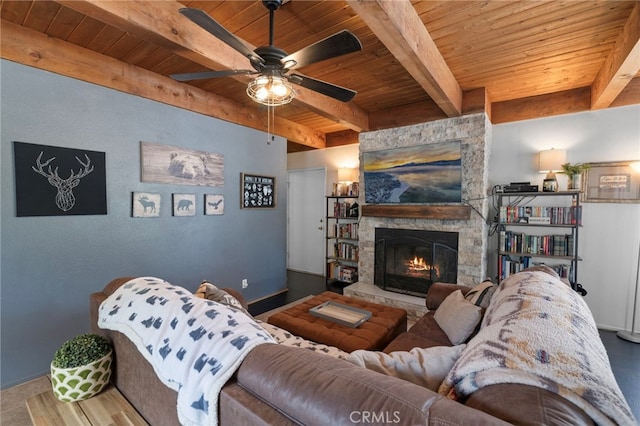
(81, 367)
(80, 383)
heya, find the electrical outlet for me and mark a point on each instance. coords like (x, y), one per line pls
(245, 283)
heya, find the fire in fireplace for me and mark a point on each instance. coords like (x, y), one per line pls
(409, 261)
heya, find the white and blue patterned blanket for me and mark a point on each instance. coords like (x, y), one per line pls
(538, 332)
(194, 345)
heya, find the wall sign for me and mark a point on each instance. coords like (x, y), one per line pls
(257, 191)
(612, 182)
(55, 181)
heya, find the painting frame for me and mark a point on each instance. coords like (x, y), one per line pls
(183, 204)
(180, 166)
(147, 206)
(213, 204)
(59, 181)
(425, 174)
(257, 191)
(611, 182)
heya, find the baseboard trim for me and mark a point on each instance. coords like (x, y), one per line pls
(268, 296)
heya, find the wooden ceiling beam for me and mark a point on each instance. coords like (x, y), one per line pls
(400, 29)
(161, 22)
(621, 66)
(32, 48)
(566, 102)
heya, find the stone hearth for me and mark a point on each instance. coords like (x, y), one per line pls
(415, 306)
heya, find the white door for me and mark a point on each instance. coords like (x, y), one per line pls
(306, 221)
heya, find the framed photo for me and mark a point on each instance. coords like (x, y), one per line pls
(179, 166)
(213, 204)
(423, 174)
(59, 181)
(184, 204)
(257, 192)
(145, 204)
(612, 182)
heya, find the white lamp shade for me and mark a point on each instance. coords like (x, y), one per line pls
(347, 174)
(551, 160)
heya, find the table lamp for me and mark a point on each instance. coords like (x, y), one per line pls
(550, 161)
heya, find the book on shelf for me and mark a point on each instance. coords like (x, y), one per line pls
(347, 231)
(534, 215)
(510, 265)
(340, 272)
(547, 245)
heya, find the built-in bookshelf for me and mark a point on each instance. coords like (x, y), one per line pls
(342, 248)
(539, 228)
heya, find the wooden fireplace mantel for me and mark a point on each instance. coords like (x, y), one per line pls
(451, 212)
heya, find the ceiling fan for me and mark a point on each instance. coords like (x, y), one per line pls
(272, 64)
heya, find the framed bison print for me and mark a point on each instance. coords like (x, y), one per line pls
(179, 166)
(57, 181)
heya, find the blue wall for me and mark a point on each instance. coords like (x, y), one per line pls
(50, 265)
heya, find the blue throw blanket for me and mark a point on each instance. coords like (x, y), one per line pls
(194, 345)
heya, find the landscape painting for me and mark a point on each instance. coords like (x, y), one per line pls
(424, 174)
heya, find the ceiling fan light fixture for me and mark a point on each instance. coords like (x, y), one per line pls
(270, 90)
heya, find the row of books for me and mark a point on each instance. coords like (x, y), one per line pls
(346, 189)
(345, 230)
(541, 215)
(509, 265)
(343, 209)
(548, 245)
(340, 272)
(346, 251)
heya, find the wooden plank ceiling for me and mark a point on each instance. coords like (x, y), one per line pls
(421, 60)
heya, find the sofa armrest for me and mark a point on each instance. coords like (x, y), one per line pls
(439, 291)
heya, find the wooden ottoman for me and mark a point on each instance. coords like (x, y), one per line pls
(374, 334)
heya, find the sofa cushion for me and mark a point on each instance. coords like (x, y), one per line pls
(424, 367)
(458, 317)
(211, 292)
(480, 295)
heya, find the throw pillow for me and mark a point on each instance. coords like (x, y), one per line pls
(457, 317)
(211, 292)
(481, 294)
(424, 367)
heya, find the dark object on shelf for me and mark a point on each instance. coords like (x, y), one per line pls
(520, 187)
(353, 211)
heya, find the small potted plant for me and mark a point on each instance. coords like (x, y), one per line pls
(81, 367)
(574, 173)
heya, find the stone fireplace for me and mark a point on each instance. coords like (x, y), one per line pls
(408, 260)
(474, 133)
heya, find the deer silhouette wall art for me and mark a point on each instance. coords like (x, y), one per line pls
(65, 200)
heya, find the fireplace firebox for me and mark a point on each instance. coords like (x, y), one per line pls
(409, 261)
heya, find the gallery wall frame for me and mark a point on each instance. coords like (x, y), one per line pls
(257, 192)
(420, 174)
(213, 204)
(184, 204)
(59, 181)
(179, 166)
(145, 204)
(611, 182)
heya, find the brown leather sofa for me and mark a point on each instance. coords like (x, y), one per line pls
(281, 385)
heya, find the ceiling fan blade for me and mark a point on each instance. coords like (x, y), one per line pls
(209, 74)
(337, 92)
(207, 23)
(336, 45)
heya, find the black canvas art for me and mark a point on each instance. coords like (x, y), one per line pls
(54, 181)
